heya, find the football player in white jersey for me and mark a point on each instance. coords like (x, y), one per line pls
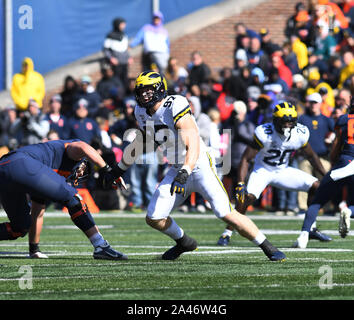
(273, 145)
(169, 122)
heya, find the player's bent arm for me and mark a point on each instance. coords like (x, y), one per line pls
(248, 155)
(190, 136)
(314, 159)
(79, 149)
(336, 147)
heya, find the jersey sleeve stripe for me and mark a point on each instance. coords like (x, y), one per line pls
(259, 143)
(181, 114)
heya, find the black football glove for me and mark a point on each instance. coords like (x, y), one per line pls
(179, 183)
(80, 172)
(110, 177)
(241, 192)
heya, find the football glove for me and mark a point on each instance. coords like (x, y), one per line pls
(110, 177)
(179, 183)
(241, 192)
(80, 172)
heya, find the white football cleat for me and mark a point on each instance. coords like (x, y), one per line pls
(301, 241)
(38, 255)
(344, 222)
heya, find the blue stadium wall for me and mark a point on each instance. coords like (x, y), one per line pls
(63, 31)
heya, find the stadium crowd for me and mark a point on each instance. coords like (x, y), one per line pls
(313, 69)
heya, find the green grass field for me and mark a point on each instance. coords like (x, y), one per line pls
(238, 272)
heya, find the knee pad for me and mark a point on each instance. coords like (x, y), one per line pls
(80, 214)
(15, 232)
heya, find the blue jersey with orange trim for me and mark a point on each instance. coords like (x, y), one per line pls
(345, 124)
(51, 154)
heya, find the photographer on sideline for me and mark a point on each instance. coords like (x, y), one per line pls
(31, 126)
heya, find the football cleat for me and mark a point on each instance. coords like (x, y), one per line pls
(105, 252)
(344, 222)
(317, 235)
(184, 244)
(38, 255)
(277, 256)
(223, 241)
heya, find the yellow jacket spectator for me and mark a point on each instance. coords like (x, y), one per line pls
(315, 85)
(348, 70)
(300, 50)
(28, 84)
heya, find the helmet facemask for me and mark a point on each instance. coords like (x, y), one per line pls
(284, 125)
(150, 88)
(284, 118)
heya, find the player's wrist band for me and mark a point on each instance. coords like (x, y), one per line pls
(187, 168)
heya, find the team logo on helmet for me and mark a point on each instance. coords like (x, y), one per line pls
(150, 88)
(284, 112)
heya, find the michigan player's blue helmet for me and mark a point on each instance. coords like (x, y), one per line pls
(282, 113)
(157, 85)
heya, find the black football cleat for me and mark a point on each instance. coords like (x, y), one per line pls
(184, 244)
(277, 256)
(272, 252)
(315, 234)
(105, 252)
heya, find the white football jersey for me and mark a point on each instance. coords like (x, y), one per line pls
(275, 149)
(160, 127)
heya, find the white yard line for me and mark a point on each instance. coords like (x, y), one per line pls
(274, 285)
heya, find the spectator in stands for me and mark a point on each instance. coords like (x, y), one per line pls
(241, 136)
(237, 85)
(342, 99)
(241, 60)
(256, 56)
(156, 43)
(298, 90)
(108, 86)
(31, 125)
(290, 58)
(305, 29)
(207, 97)
(258, 78)
(267, 45)
(7, 141)
(199, 71)
(57, 121)
(69, 96)
(284, 71)
(27, 85)
(315, 83)
(348, 68)
(81, 126)
(321, 136)
(120, 127)
(243, 36)
(290, 28)
(326, 109)
(88, 92)
(275, 83)
(335, 66)
(115, 49)
(300, 50)
(176, 76)
(325, 43)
